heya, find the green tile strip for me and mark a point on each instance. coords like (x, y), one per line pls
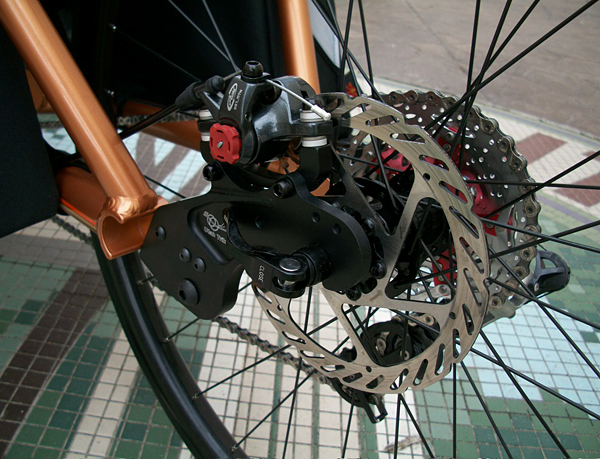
(56, 338)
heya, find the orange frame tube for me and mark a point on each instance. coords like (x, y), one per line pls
(123, 201)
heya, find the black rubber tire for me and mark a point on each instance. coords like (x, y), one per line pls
(192, 416)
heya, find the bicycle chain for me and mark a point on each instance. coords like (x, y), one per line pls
(234, 328)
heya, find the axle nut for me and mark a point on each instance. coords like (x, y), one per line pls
(225, 143)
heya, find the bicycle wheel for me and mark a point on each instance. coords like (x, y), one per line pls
(463, 241)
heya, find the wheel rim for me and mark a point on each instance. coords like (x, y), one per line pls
(458, 378)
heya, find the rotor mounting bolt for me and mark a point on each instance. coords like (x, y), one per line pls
(283, 189)
(211, 172)
(353, 293)
(369, 226)
(378, 269)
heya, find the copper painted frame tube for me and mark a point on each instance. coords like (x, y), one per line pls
(126, 213)
(298, 43)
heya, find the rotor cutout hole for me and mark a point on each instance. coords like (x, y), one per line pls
(398, 382)
(456, 343)
(313, 355)
(465, 222)
(274, 317)
(352, 378)
(294, 338)
(381, 121)
(454, 192)
(421, 373)
(374, 383)
(260, 292)
(472, 255)
(331, 368)
(468, 319)
(434, 162)
(474, 290)
(439, 363)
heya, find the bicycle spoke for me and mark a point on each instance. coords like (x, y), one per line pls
(345, 45)
(201, 32)
(264, 359)
(416, 424)
(287, 432)
(472, 54)
(512, 62)
(553, 320)
(536, 383)
(438, 267)
(421, 226)
(507, 368)
(422, 279)
(454, 423)
(486, 409)
(547, 182)
(275, 408)
(348, 430)
(398, 425)
(514, 30)
(338, 36)
(528, 184)
(366, 40)
(214, 23)
(427, 289)
(541, 237)
(151, 51)
(524, 395)
(547, 305)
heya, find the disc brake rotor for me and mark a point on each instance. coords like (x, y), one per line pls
(457, 319)
(488, 155)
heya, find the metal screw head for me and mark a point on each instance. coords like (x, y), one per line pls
(160, 233)
(199, 265)
(220, 144)
(185, 255)
(290, 265)
(253, 69)
(211, 172)
(378, 269)
(283, 189)
(353, 293)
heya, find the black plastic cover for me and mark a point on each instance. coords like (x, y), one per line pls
(28, 193)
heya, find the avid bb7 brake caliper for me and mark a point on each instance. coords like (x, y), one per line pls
(255, 219)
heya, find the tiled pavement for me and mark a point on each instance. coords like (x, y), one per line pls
(69, 386)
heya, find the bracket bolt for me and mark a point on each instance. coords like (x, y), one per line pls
(283, 189)
(211, 172)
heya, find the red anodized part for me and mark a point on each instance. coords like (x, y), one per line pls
(225, 143)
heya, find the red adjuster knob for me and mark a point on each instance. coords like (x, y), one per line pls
(225, 143)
